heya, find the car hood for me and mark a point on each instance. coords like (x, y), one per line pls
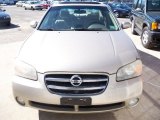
(154, 15)
(3, 14)
(78, 51)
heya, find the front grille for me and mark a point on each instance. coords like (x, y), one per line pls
(2, 18)
(85, 109)
(89, 84)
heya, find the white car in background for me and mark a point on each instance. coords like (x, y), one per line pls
(33, 5)
(20, 3)
(78, 60)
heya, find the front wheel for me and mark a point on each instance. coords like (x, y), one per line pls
(32, 8)
(117, 14)
(8, 24)
(146, 39)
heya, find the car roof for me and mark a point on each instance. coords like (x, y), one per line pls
(80, 4)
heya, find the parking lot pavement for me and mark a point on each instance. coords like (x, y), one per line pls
(10, 42)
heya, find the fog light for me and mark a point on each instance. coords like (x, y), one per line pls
(20, 100)
(133, 102)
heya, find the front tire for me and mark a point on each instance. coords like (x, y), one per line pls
(32, 8)
(8, 24)
(146, 39)
(117, 14)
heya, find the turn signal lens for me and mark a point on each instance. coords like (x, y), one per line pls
(154, 26)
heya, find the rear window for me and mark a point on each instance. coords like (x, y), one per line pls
(85, 18)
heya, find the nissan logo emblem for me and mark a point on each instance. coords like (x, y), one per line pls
(76, 80)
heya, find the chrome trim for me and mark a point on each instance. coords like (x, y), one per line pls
(57, 79)
(75, 88)
(67, 80)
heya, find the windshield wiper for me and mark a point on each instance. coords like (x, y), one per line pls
(88, 29)
(48, 29)
(98, 29)
(80, 29)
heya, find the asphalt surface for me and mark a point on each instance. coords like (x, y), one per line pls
(11, 38)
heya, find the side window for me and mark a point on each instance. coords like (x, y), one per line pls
(139, 4)
(135, 4)
(143, 4)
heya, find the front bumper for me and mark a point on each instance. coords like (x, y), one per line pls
(155, 37)
(4, 21)
(116, 96)
(125, 13)
(38, 7)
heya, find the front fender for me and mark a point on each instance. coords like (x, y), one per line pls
(146, 24)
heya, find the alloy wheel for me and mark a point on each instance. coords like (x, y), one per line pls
(145, 37)
(116, 14)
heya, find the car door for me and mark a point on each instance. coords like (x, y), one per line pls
(27, 4)
(141, 15)
(134, 12)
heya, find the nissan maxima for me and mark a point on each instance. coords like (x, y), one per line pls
(78, 60)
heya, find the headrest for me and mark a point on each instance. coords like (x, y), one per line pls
(64, 13)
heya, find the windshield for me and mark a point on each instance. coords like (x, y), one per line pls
(86, 18)
(35, 2)
(153, 5)
(112, 5)
(123, 6)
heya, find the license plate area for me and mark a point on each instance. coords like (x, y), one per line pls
(82, 101)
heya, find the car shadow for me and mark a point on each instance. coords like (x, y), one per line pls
(11, 26)
(150, 61)
(151, 82)
(60, 116)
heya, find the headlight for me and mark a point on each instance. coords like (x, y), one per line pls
(25, 70)
(130, 71)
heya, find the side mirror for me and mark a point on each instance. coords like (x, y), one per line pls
(125, 25)
(33, 24)
(139, 10)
